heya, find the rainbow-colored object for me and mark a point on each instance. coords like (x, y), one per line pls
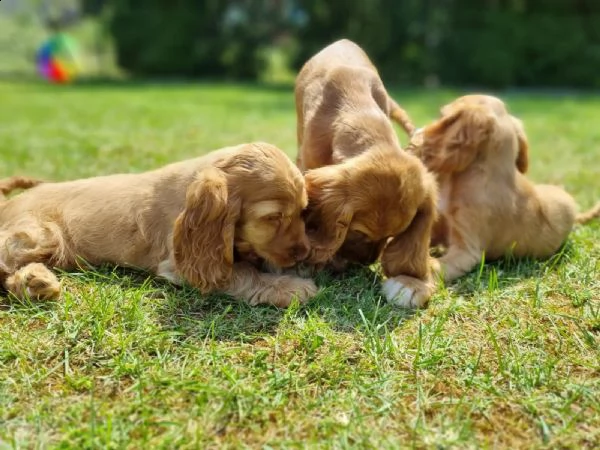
(57, 59)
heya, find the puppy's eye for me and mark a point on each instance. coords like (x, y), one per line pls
(274, 217)
(360, 236)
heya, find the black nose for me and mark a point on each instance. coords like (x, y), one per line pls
(299, 252)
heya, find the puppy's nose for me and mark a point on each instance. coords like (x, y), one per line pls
(299, 252)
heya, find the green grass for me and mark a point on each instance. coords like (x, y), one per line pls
(507, 357)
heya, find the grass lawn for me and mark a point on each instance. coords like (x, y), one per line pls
(507, 357)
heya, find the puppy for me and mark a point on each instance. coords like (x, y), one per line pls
(479, 153)
(203, 221)
(368, 199)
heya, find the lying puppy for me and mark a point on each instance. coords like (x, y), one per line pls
(487, 206)
(201, 221)
(367, 197)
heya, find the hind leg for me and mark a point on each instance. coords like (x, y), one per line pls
(23, 255)
(33, 281)
(457, 262)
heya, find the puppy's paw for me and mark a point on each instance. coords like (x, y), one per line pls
(407, 292)
(293, 287)
(284, 289)
(166, 269)
(34, 281)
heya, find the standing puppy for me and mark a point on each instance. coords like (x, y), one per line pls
(367, 197)
(479, 153)
(201, 221)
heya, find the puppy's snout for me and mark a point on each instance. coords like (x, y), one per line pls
(300, 251)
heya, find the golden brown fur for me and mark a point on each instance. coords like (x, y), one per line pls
(202, 221)
(367, 197)
(487, 206)
(10, 184)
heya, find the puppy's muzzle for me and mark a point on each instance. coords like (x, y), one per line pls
(299, 252)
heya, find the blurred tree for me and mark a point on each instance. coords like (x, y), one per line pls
(194, 37)
(465, 42)
(462, 42)
(93, 7)
(400, 36)
(522, 42)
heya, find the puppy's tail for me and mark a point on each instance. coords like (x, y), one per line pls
(400, 116)
(10, 184)
(590, 214)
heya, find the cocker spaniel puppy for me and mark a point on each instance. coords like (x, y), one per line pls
(206, 221)
(368, 199)
(487, 206)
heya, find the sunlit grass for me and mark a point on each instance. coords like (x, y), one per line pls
(506, 357)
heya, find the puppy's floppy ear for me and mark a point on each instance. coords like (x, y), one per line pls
(523, 154)
(452, 143)
(408, 252)
(329, 212)
(203, 235)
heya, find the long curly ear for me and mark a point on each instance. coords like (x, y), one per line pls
(452, 143)
(523, 154)
(203, 235)
(328, 213)
(408, 253)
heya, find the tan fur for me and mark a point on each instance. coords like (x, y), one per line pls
(487, 205)
(200, 221)
(588, 215)
(363, 188)
(400, 116)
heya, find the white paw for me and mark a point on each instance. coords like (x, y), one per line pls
(397, 294)
(166, 269)
(408, 293)
(283, 289)
(302, 289)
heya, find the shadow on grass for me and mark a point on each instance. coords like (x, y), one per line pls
(184, 310)
(346, 302)
(508, 271)
(353, 300)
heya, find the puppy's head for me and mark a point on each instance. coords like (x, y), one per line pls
(472, 128)
(250, 202)
(356, 207)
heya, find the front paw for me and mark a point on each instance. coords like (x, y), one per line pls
(407, 292)
(294, 287)
(284, 289)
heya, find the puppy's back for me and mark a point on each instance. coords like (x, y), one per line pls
(341, 54)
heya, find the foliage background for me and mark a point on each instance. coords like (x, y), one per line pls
(490, 43)
(461, 42)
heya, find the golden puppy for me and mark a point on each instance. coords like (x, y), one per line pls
(367, 197)
(487, 206)
(198, 221)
